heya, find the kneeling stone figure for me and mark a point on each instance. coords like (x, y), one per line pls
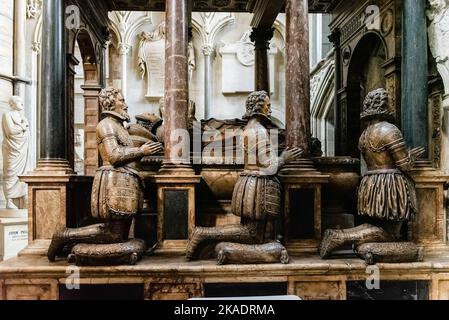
(117, 194)
(256, 198)
(386, 193)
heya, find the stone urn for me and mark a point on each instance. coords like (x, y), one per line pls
(339, 197)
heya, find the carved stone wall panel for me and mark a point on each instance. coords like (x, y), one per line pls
(239, 58)
(429, 225)
(440, 287)
(173, 289)
(319, 289)
(48, 202)
(31, 289)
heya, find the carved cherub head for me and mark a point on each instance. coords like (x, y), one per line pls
(113, 102)
(258, 103)
(375, 106)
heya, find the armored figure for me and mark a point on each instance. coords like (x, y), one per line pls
(256, 198)
(386, 195)
(117, 193)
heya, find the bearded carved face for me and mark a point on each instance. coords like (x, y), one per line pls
(121, 107)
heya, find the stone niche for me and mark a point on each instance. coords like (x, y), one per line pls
(238, 63)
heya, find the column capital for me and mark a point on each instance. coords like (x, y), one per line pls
(123, 49)
(208, 49)
(261, 37)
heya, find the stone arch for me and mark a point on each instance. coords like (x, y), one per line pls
(365, 73)
(132, 29)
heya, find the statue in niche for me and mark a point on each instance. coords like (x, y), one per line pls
(256, 198)
(386, 195)
(117, 194)
(15, 148)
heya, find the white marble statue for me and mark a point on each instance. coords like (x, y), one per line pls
(15, 148)
(438, 15)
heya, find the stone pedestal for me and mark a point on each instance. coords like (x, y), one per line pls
(54, 202)
(13, 232)
(176, 211)
(339, 197)
(428, 229)
(302, 211)
(162, 277)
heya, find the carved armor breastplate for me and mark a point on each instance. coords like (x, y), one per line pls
(383, 147)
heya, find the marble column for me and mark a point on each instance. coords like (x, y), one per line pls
(123, 51)
(414, 73)
(20, 11)
(335, 39)
(261, 37)
(297, 84)
(176, 86)
(208, 52)
(53, 114)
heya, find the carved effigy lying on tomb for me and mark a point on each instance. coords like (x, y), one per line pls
(256, 198)
(117, 194)
(386, 195)
(221, 132)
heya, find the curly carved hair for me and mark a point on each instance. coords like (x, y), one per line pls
(107, 98)
(254, 103)
(376, 105)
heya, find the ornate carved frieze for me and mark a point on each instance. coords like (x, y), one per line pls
(369, 17)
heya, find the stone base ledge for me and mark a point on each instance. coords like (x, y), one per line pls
(162, 276)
